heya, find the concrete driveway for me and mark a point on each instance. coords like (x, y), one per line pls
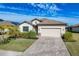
(47, 46)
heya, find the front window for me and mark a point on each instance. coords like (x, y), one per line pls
(25, 28)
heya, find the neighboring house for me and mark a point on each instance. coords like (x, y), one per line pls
(75, 28)
(44, 27)
(6, 23)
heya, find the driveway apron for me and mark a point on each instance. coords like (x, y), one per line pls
(47, 46)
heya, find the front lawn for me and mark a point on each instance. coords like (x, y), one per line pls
(17, 45)
(73, 47)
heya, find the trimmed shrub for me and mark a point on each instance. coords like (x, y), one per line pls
(28, 35)
(32, 34)
(24, 35)
(68, 37)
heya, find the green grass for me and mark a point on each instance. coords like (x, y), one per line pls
(17, 45)
(76, 36)
(73, 47)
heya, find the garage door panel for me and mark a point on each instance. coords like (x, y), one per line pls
(51, 32)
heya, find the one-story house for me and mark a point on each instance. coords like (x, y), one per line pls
(75, 28)
(44, 27)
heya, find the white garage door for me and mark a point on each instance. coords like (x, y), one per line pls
(50, 32)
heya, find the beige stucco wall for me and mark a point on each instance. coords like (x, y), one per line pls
(62, 28)
(25, 24)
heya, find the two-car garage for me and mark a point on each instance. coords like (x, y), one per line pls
(51, 28)
(51, 32)
(45, 27)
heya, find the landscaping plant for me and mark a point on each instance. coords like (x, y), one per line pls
(68, 37)
(5, 40)
(24, 35)
(29, 35)
(32, 34)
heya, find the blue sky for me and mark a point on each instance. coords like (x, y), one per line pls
(19, 12)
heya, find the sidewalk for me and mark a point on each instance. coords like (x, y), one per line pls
(10, 53)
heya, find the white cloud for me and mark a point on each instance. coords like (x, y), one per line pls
(2, 6)
(33, 4)
(56, 8)
(15, 8)
(16, 17)
(19, 18)
(46, 6)
(50, 8)
(12, 16)
(41, 5)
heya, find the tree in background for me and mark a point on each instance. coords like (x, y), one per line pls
(11, 30)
